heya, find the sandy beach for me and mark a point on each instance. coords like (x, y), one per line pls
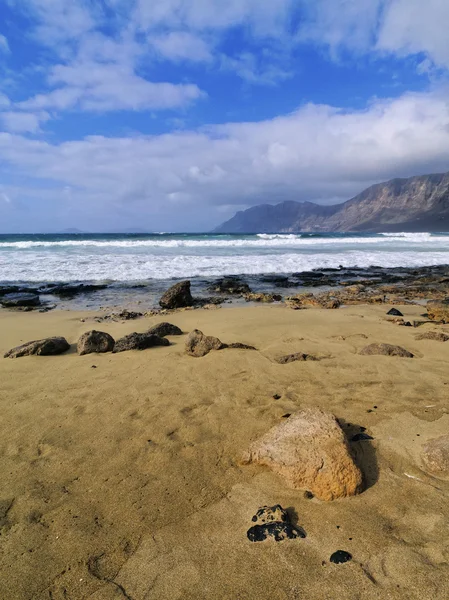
(125, 480)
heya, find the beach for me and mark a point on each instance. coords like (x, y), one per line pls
(122, 474)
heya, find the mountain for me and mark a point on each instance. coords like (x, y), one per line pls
(414, 204)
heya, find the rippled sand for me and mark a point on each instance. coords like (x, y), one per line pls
(123, 481)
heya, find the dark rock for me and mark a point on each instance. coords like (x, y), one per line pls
(310, 274)
(261, 297)
(178, 296)
(240, 346)
(361, 437)
(298, 356)
(198, 344)
(385, 350)
(273, 522)
(47, 347)
(163, 329)
(394, 312)
(95, 342)
(139, 341)
(126, 315)
(20, 300)
(68, 290)
(230, 285)
(340, 557)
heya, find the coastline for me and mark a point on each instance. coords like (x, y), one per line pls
(127, 476)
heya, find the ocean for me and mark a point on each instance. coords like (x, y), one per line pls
(153, 261)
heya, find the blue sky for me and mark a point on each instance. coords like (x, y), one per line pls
(173, 114)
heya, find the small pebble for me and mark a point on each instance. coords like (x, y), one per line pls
(276, 397)
(93, 366)
(287, 415)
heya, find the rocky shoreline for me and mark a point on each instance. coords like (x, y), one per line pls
(327, 288)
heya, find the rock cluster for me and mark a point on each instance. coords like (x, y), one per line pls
(273, 522)
(438, 311)
(310, 451)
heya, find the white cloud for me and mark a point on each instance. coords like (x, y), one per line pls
(187, 179)
(398, 27)
(254, 69)
(23, 122)
(109, 87)
(181, 45)
(4, 46)
(4, 101)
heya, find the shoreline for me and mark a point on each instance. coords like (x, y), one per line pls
(128, 474)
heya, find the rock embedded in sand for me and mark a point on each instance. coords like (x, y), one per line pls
(198, 344)
(20, 300)
(261, 297)
(93, 342)
(273, 522)
(47, 347)
(298, 356)
(310, 451)
(139, 341)
(385, 350)
(163, 329)
(178, 296)
(240, 346)
(435, 456)
(438, 310)
(394, 312)
(437, 336)
(340, 556)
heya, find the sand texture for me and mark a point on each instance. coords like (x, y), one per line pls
(125, 481)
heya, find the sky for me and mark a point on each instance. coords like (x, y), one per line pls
(171, 115)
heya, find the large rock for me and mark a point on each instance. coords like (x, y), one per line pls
(20, 300)
(178, 296)
(438, 310)
(95, 342)
(311, 452)
(139, 341)
(198, 344)
(163, 329)
(47, 347)
(435, 456)
(385, 350)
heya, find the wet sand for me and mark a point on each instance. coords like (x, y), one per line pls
(124, 481)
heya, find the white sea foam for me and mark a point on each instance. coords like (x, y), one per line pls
(259, 241)
(41, 266)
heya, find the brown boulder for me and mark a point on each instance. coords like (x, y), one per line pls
(385, 350)
(198, 344)
(311, 452)
(178, 296)
(95, 342)
(48, 347)
(435, 456)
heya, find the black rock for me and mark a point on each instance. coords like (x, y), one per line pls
(394, 312)
(178, 296)
(47, 347)
(163, 329)
(68, 290)
(340, 557)
(20, 300)
(139, 341)
(360, 437)
(273, 522)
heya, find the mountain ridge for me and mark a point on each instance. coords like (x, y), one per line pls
(419, 203)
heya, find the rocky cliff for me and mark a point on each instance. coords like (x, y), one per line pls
(414, 204)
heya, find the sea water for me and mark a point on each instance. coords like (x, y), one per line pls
(134, 258)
